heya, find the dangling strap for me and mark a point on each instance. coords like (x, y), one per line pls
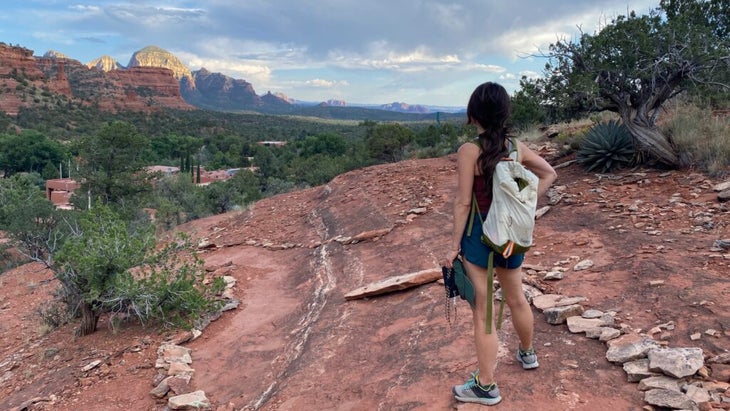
(474, 210)
(490, 271)
(490, 291)
(490, 296)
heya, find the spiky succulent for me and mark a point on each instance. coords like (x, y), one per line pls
(606, 147)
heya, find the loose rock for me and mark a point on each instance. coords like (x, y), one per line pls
(676, 362)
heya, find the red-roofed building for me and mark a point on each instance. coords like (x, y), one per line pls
(59, 191)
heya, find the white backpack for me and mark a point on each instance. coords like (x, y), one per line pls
(510, 220)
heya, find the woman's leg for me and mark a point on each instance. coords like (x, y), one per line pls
(510, 281)
(486, 344)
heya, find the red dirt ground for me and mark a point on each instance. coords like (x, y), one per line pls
(295, 343)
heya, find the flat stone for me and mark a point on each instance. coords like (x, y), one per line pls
(637, 370)
(175, 353)
(661, 382)
(608, 334)
(546, 301)
(583, 265)
(553, 275)
(396, 283)
(592, 314)
(697, 394)
(91, 365)
(676, 362)
(179, 384)
(577, 324)
(192, 401)
(629, 347)
(669, 399)
(558, 315)
(595, 333)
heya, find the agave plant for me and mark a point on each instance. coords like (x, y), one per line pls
(606, 147)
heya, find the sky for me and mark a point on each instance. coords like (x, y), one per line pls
(429, 52)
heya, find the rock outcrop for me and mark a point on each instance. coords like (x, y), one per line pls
(105, 63)
(153, 79)
(218, 91)
(17, 68)
(153, 56)
(26, 81)
(55, 54)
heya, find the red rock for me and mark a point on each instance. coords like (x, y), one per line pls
(134, 89)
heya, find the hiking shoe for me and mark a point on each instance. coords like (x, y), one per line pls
(527, 358)
(472, 391)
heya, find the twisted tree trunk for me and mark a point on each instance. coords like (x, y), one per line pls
(89, 320)
(648, 138)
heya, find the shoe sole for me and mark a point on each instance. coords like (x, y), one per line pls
(483, 401)
(527, 366)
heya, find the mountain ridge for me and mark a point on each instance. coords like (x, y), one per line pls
(157, 80)
(224, 92)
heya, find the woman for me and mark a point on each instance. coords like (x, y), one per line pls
(489, 110)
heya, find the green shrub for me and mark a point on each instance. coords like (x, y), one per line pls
(110, 267)
(606, 147)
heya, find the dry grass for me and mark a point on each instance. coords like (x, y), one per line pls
(702, 139)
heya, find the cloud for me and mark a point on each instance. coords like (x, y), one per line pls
(430, 49)
(321, 83)
(530, 74)
(254, 72)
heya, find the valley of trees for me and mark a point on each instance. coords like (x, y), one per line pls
(104, 254)
(94, 248)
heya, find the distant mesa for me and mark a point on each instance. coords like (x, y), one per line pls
(284, 97)
(405, 108)
(153, 56)
(105, 63)
(55, 55)
(336, 103)
(272, 99)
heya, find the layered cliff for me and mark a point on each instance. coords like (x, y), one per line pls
(154, 78)
(27, 81)
(18, 70)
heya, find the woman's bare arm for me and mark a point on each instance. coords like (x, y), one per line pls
(466, 164)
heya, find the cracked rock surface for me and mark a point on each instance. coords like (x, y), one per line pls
(659, 270)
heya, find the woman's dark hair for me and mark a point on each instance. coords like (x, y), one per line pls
(489, 107)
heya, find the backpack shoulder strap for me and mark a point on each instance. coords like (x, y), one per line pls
(514, 149)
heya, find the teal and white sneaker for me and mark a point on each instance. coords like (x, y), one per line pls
(472, 391)
(527, 358)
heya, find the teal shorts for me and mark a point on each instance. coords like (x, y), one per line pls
(477, 253)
